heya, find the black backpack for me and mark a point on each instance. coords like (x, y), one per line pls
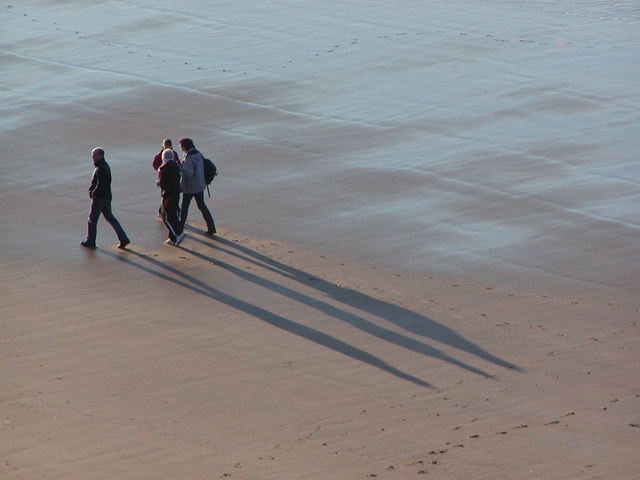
(210, 172)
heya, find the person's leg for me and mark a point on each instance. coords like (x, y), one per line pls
(92, 227)
(211, 226)
(170, 217)
(174, 215)
(108, 215)
(184, 211)
(165, 220)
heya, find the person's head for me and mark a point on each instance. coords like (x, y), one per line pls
(186, 144)
(97, 154)
(166, 143)
(167, 156)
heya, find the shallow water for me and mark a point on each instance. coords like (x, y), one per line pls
(605, 9)
(493, 136)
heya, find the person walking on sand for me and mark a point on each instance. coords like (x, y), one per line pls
(193, 184)
(169, 182)
(100, 194)
(167, 144)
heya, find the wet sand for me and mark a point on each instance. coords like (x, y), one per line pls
(427, 249)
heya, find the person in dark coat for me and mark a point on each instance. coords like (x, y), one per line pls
(100, 194)
(167, 144)
(169, 183)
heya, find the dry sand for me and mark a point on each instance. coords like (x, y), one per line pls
(408, 335)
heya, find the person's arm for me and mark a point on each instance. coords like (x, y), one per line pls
(94, 182)
(188, 166)
(157, 160)
(164, 178)
(176, 157)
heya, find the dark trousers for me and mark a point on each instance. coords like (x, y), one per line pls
(186, 200)
(103, 207)
(170, 216)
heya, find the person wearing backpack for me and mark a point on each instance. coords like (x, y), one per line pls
(192, 184)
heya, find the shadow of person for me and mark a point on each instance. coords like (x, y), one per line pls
(392, 313)
(337, 313)
(154, 267)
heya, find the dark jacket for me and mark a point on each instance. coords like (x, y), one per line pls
(170, 179)
(100, 187)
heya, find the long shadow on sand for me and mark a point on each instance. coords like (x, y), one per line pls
(335, 312)
(189, 282)
(394, 314)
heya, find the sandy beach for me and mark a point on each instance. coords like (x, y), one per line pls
(428, 247)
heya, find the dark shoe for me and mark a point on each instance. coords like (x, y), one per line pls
(86, 244)
(179, 239)
(123, 245)
(212, 231)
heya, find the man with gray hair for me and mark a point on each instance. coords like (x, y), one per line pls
(100, 194)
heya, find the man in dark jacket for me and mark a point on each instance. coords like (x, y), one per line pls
(100, 194)
(169, 182)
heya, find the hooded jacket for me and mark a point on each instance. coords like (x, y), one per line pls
(100, 188)
(170, 179)
(192, 172)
